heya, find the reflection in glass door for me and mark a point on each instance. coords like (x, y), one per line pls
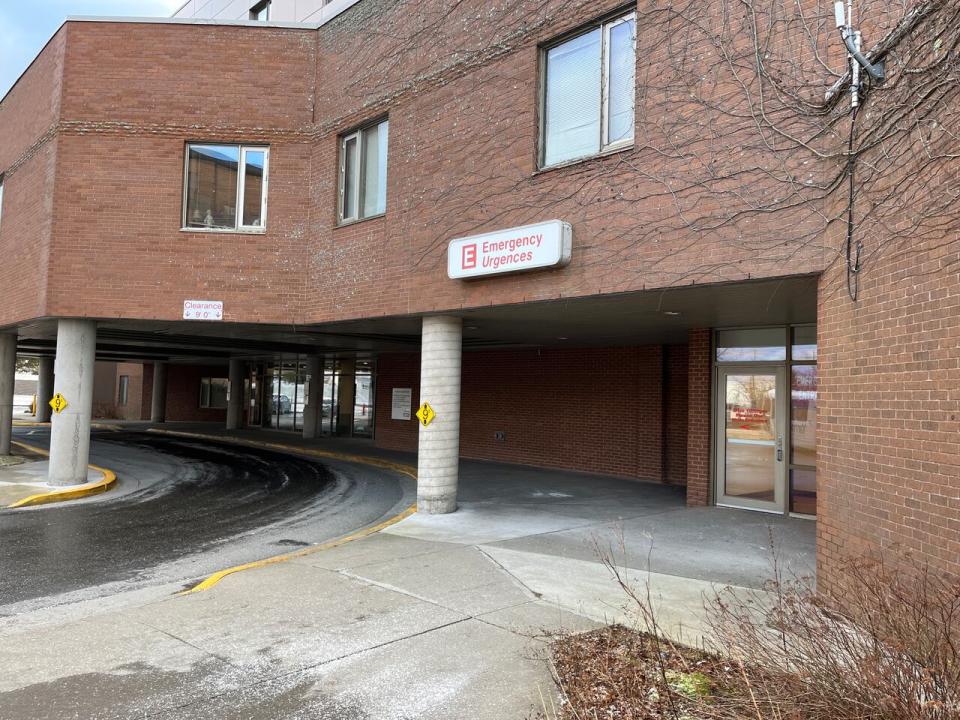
(750, 460)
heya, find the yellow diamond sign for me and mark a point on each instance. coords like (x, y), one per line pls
(59, 403)
(426, 414)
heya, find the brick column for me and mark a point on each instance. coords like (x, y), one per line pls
(699, 406)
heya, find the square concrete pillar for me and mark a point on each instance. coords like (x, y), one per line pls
(313, 412)
(236, 374)
(158, 397)
(346, 394)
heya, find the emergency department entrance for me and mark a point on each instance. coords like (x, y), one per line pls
(765, 413)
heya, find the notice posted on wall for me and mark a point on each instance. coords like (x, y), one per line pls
(202, 310)
(402, 404)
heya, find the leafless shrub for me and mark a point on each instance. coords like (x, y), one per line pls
(884, 647)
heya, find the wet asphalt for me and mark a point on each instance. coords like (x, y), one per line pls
(207, 503)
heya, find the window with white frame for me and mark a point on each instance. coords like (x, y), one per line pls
(1, 199)
(363, 172)
(213, 392)
(226, 187)
(589, 92)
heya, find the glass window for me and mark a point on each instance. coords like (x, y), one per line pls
(803, 415)
(124, 391)
(803, 491)
(753, 345)
(589, 92)
(1, 198)
(222, 178)
(213, 393)
(804, 345)
(363, 172)
(260, 11)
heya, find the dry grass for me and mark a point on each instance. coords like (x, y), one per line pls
(886, 648)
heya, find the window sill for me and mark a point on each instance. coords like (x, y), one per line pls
(348, 223)
(613, 150)
(226, 231)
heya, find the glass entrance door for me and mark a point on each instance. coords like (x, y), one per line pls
(750, 460)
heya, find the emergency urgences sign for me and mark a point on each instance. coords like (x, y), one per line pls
(531, 247)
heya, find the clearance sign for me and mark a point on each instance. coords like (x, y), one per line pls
(543, 245)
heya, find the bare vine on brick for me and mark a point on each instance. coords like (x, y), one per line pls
(736, 137)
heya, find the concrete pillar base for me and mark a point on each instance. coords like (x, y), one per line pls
(438, 460)
(70, 430)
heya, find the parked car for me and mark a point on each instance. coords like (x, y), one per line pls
(286, 407)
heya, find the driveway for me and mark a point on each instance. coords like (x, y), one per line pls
(434, 617)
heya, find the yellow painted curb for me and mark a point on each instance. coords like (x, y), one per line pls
(218, 576)
(363, 459)
(69, 493)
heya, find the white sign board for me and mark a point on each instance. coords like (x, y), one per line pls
(402, 403)
(543, 245)
(202, 310)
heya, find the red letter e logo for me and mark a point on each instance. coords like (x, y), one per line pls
(469, 257)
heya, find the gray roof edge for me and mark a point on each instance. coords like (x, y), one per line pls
(191, 21)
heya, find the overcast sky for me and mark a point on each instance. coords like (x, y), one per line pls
(25, 27)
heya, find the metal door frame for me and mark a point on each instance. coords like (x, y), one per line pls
(779, 371)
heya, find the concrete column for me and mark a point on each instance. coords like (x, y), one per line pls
(313, 412)
(346, 387)
(70, 430)
(438, 461)
(158, 398)
(235, 401)
(8, 379)
(44, 389)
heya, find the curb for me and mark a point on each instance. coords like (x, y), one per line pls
(69, 493)
(214, 579)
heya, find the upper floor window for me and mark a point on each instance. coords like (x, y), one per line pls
(261, 11)
(226, 187)
(1, 198)
(363, 172)
(589, 90)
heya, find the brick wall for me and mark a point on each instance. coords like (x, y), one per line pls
(700, 371)
(396, 370)
(675, 414)
(888, 426)
(463, 159)
(134, 408)
(183, 393)
(597, 410)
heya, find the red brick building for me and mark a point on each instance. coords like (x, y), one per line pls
(634, 233)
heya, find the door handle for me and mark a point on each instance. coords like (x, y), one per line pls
(779, 448)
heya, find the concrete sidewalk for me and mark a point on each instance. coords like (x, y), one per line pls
(442, 617)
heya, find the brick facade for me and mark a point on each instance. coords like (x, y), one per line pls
(92, 157)
(699, 373)
(597, 410)
(888, 443)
